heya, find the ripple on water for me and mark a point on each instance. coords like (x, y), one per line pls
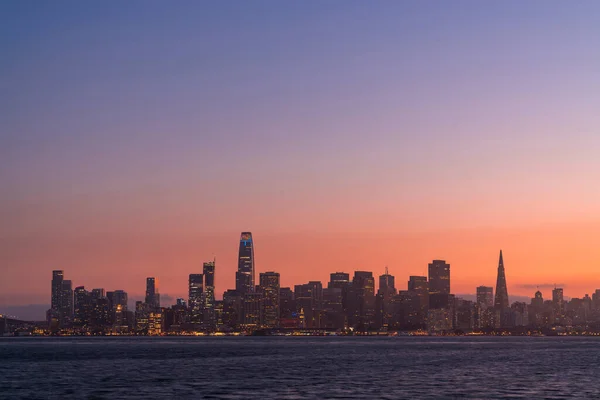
(299, 368)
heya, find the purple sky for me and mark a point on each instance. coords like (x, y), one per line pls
(123, 121)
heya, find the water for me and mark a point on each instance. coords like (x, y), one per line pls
(299, 368)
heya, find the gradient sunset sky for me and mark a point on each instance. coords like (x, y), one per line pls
(140, 138)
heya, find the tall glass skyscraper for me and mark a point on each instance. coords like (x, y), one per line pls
(195, 292)
(57, 280)
(61, 301)
(269, 288)
(244, 277)
(152, 295)
(209, 294)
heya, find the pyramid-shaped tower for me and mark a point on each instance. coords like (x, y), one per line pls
(501, 301)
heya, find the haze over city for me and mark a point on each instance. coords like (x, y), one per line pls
(139, 139)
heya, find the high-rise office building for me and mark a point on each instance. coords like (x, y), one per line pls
(232, 310)
(97, 293)
(155, 321)
(141, 316)
(56, 296)
(209, 294)
(252, 306)
(418, 283)
(485, 296)
(420, 286)
(361, 300)
(537, 301)
(269, 288)
(82, 308)
(100, 315)
(407, 310)
(439, 277)
(120, 298)
(117, 306)
(317, 291)
(338, 280)
(334, 317)
(387, 285)
(66, 312)
(501, 301)
(383, 300)
(464, 315)
(195, 295)
(287, 304)
(308, 298)
(61, 300)
(244, 277)
(439, 285)
(558, 303)
(152, 295)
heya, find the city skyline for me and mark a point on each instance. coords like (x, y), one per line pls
(425, 305)
(222, 283)
(299, 199)
(370, 135)
(437, 282)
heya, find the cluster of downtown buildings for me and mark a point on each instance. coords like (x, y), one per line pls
(346, 304)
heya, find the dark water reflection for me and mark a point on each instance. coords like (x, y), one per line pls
(299, 368)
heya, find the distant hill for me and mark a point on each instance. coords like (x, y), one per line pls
(30, 312)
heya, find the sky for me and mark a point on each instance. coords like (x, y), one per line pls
(140, 138)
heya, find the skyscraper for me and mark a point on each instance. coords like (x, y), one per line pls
(209, 294)
(558, 303)
(338, 280)
(501, 301)
(152, 295)
(537, 301)
(195, 294)
(361, 300)
(439, 277)
(387, 285)
(383, 300)
(287, 304)
(420, 286)
(97, 293)
(82, 307)
(56, 294)
(485, 296)
(66, 309)
(117, 306)
(61, 299)
(244, 277)
(269, 287)
(308, 298)
(119, 297)
(252, 310)
(232, 309)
